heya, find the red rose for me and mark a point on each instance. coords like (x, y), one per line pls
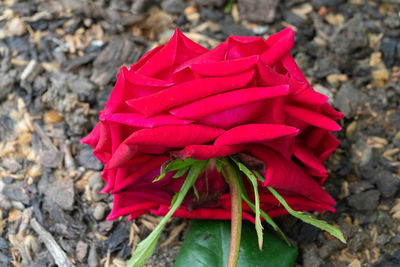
(181, 100)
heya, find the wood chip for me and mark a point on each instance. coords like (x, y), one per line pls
(60, 257)
(303, 10)
(380, 76)
(174, 233)
(396, 210)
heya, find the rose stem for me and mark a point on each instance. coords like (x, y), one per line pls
(236, 213)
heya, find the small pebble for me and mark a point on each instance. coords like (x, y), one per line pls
(173, 6)
(5, 203)
(51, 158)
(190, 10)
(93, 259)
(311, 257)
(88, 160)
(16, 27)
(96, 196)
(99, 211)
(380, 76)
(336, 79)
(387, 183)
(51, 117)
(365, 201)
(95, 178)
(81, 250)
(325, 91)
(347, 100)
(61, 193)
(193, 17)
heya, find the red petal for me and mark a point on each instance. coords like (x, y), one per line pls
(138, 120)
(226, 67)
(310, 96)
(254, 133)
(124, 182)
(243, 46)
(234, 116)
(273, 112)
(329, 111)
(175, 135)
(217, 103)
(103, 148)
(280, 48)
(178, 50)
(294, 70)
(131, 85)
(307, 157)
(202, 152)
(328, 144)
(124, 153)
(188, 92)
(274, 38)
(312, 118)
(286, 175)
(283, 145)
(145, 58)
(93, 137)
(215, 55)
(201, 213)
(269, 77)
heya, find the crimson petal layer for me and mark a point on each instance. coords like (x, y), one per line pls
(254, 133)
(286, 175)
(312, 118)
(216, 103)
(202, 152)
(138, 120)
(175, 135)
(187, 92)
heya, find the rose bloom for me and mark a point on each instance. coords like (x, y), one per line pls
(181, 100)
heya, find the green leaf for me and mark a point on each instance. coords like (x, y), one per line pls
(207, 243)
(146, 247)
(253, 180)
(308, 219)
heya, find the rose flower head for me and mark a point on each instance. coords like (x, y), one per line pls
(246, 97)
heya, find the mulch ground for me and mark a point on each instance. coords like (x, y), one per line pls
(58, 64)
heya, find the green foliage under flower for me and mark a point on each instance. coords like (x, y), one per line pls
(193, 168)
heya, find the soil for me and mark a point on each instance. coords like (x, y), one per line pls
(58, 64)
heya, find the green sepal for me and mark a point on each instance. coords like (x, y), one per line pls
(173, 165)
(181, 172)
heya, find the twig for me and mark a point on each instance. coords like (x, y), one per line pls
(44, 138)
(68, 159)
(55, 250)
